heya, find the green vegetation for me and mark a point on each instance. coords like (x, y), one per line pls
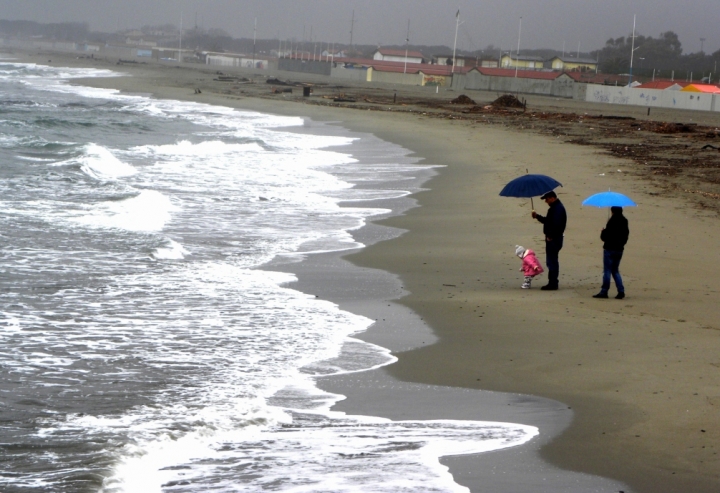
(661, 56)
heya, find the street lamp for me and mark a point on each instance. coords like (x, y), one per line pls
(632, 52)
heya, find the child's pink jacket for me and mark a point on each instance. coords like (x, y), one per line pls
(530, 264)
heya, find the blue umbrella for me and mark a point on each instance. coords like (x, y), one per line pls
(529, 186)
(609, 199)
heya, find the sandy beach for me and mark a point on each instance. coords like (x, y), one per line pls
(640, 375)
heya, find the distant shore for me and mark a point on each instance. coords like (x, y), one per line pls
(642, 375)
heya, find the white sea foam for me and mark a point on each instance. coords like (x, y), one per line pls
(100, 163)
(224, 353)
(172, 250)
(148, 211)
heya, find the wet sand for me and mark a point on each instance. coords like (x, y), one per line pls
(640, 375)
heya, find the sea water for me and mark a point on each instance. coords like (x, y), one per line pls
(143, 348)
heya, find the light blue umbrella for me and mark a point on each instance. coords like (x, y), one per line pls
(609, 199)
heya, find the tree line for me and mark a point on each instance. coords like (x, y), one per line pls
(661, 57)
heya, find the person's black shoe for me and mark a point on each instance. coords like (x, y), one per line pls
(549, 287)
(620, 296)
(600, 295)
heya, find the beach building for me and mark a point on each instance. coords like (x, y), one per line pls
(510, 80)
(141, 41)
(663, 85)
(598, 78)
(413, 74)
(703, 88)
(489, 62)
(460, 61)
(572, 64)
(234, 60)
(387, 55)
(509, 60)
(392, 72)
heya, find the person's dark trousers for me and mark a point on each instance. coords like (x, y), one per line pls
(611, 267)
(552, 249)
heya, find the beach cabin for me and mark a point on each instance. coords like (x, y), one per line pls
(703, 88)
(572, 64)
(521, 61)
(387, 55)
(488, 62)
(460, 61)
(663, 85)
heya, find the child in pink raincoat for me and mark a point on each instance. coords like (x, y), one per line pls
(530, 265)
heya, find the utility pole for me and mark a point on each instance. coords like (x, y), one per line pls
(180, 39)
(352, 28)
(407, 45)
(457, 25)
(632, 51)
(254, 32)
(517, 53)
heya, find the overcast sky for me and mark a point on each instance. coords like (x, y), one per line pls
(545, 23)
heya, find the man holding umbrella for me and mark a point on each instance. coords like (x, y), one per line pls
(553, 229)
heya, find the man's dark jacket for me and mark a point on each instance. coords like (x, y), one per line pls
(555, 221)
(616, 233)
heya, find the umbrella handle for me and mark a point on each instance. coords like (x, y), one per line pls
(531, 199)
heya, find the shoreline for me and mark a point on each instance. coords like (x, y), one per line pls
(373, 293)
(641, 375)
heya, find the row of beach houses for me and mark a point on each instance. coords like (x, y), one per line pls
(560, 76)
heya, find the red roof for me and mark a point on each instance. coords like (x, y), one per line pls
(410, 54)
(593, 78)
(661, 84)
(521, 74)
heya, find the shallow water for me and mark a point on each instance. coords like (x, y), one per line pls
(142, 345)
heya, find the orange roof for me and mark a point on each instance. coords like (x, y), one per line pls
(707, 88)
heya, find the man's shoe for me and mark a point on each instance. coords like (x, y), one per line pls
(549, 287)
(600, 295)
(620, 296)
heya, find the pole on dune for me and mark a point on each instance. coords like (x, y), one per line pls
(254, 32)
(180, 39)
(632, 52)
(457, 25)
(407, 45)
(517, 52)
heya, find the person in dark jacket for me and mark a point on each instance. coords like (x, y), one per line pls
(614, 236)
(553, 229)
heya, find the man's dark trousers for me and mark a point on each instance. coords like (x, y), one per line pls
(552, 249)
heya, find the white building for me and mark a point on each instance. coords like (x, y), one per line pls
(398, 56)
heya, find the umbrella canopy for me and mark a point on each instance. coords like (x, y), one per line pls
(529, 186)
(609, 199)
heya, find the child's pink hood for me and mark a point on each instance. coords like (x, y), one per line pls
(530, 264)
